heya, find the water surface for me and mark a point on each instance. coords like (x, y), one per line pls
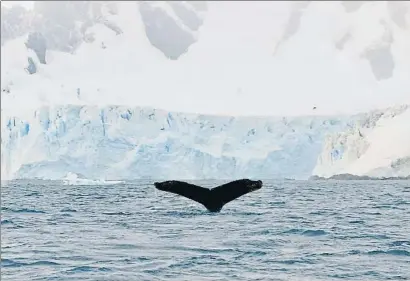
(288, 230)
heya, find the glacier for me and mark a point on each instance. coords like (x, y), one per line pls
(118, 142)
(131, 142)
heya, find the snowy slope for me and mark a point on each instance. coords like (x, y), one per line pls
(246, 58)
(125, 143)
(378, 146)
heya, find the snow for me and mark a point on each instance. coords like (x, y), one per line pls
(371, 148)
(393, 134)
(119, 107)
(233, 68)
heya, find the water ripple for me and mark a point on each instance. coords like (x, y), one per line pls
(87, 269)
(288, 230)
(390, 252)
(12, 263)
(22, 210)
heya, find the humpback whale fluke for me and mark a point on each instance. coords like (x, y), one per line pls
(213, 199)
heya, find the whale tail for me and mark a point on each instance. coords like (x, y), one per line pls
(213, 199)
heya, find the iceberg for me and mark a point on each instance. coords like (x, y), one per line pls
(74, 179)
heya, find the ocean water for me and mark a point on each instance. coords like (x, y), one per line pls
(288, 230)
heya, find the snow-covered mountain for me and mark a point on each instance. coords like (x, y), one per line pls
(65, 25)
(218, 57)
(80, 81)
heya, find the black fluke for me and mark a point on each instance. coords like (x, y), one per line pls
(213, 199)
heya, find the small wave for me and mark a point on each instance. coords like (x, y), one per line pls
(342, 276)
(293, 217)
(309, 232)
(245, 254)
(390, 252)
(204, 259)
(378, 236)
(123, 224)
(202, 250)
(318, 213)
(117, 214)
(326, 254)
(126, 246)
(357, 222)
(399, 243)
(74, 258)
(67, 215)
(366, 236)
(386, 206)
(12, 263)
(24, 210)
(4, 222)
(43, 263)
(371, 273)
(68, 210)
(295, 261)
(292, 231)
(10, 224)
(278, 203)
(187, 214)
(402, 202)
(354, 252)
(314, 232)
(372, 213)
(399, 277)
(245, 213)
(87, 268)
(34, 193)
(263, 232)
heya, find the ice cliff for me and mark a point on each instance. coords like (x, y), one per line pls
(118, 142)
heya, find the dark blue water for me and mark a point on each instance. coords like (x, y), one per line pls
(288, 230)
